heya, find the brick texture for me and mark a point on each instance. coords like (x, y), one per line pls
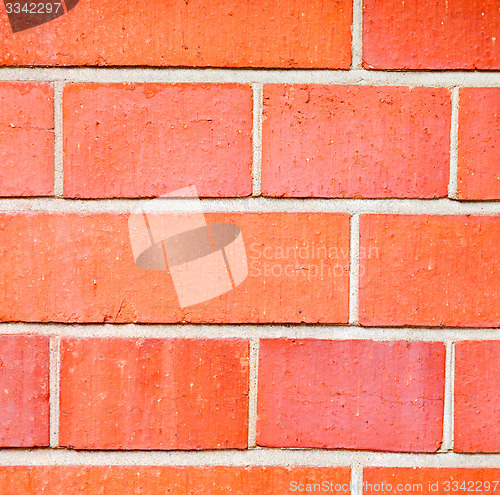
(24, 385)
(209, 480)
(355, 141)
(136, 140)
(431, 34)
(429, 481)
(291, 33)
(478, 144)
(26, 139)
(361, 395)
(477, 403)
(79, 268)
(154, 394)
(429, 270)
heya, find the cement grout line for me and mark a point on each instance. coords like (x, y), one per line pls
(257, 91)
(58, 139)
(357, 35)
(248, 331)
(354, 271)
(54, 387)
(443, 206)
(447, 444)
(356, 479)
(252, 392)
(253, 457)
(248, 76)
(453, 184)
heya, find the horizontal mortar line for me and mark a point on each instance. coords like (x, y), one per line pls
(256, 205)
(249, 331)
(255, 457)
(249, 76)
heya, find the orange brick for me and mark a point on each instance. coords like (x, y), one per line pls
(431, 34)
(70, 267)
(194, 33)
(24, 383)
(136, 140)
(478, 144)
(428, 481)
(26, 139)
(429, 270)
(360, 395)
(154, 394)
(355, 141)
(477, 403)
(148, 480)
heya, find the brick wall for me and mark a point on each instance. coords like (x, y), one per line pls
(334, 324)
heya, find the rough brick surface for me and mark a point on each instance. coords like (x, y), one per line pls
(431, 34)
(351, 394)
(355, 141)
(429, 270)
(26, 139)
(24, 386)
(209, 480)
(477, 402)
(129, 140)
(69, 267)
(154, 394)
(289, 33)
(429, 481)
(478, 144)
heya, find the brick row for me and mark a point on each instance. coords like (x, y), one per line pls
(147, 140)
(192, 394)
(148, 480)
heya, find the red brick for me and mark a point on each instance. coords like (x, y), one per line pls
(24, 385)
(154, 394)
(148, 480)
(69, 267)
(123, 140)
(194, 33)
(355, 141)
(431, 34)
(361, 395)
(478, 143)
(430, 481)
(477, 403)
(26, 139)
(429, 270)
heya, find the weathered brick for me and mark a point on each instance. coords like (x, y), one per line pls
(355, 141)
(136, 140)
(361, 395)
(477, 402)
(154, 394)
(68, 267)
(431, 34)
(478, 144)
(148, 480)
(24, 385)
(26, 139)
(429, 270)
(194, 33)
(428, 481)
